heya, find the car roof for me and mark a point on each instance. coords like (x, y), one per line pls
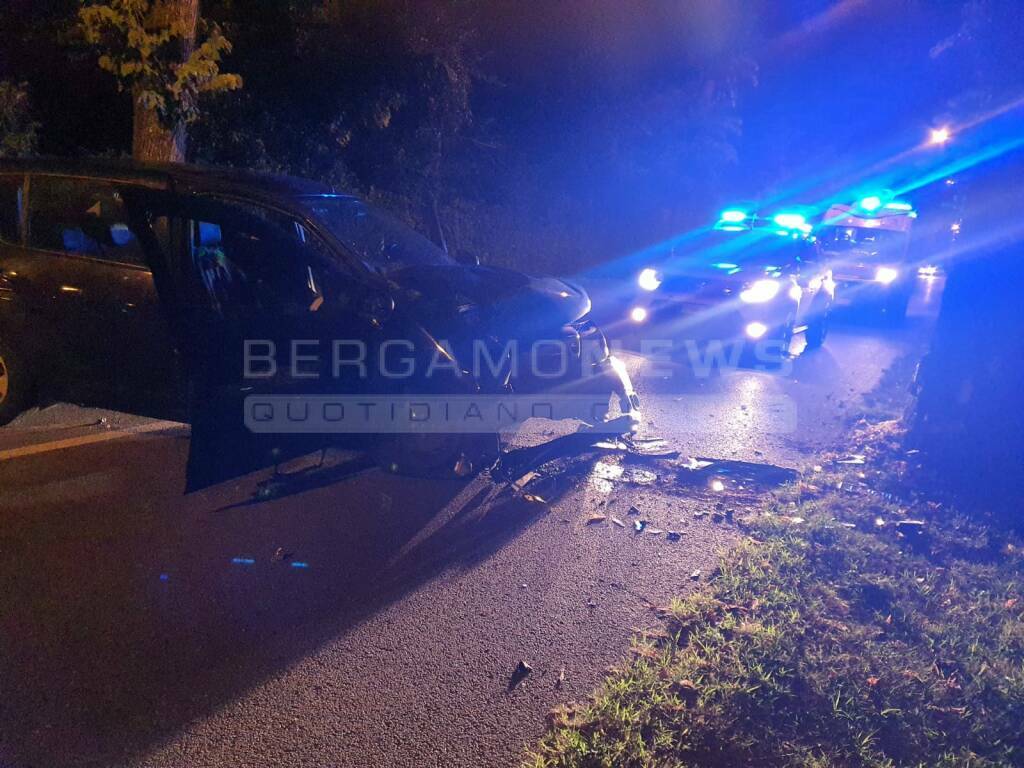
(181, 177)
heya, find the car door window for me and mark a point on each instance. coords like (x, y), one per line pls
(252, 261)
(11, 200)
(81, 217)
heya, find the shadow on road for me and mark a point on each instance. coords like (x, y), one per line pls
(132, 612)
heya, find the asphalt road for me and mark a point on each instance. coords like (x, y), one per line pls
(349, 618)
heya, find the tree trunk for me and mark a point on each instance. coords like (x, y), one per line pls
(152, 141)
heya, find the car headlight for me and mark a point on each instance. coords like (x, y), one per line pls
(638, 314)
(649, 279)
(760, 292)
(886, 275)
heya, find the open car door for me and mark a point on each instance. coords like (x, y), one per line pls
(229, 274)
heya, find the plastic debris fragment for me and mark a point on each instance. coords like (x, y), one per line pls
(519, 674)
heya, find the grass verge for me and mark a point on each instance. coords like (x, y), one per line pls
(840, 633)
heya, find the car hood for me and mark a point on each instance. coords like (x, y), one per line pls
(693, 275)
(506, 302)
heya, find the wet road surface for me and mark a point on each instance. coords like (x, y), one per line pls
(354, 618)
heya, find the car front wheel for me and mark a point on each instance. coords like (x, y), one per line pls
(816, 331)
(15, 384)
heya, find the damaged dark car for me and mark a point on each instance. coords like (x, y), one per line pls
(262, 293)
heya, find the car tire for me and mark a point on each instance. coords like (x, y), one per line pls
(784, 340)
(816, 331)
(438, 456)
(15, 384)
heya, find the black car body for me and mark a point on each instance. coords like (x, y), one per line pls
(264, 286)
(750, 287)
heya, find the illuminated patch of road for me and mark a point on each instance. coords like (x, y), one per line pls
(90, 439)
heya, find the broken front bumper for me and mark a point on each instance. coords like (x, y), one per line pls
(597, 384)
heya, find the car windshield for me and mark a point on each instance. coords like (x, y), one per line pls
(382, 242)
(747, 247)
(862, 239)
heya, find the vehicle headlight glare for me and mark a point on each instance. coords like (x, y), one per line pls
(886, 275)
(638, 314)
(649, 279)
(795, 292)
(760, 292)
(756, 330)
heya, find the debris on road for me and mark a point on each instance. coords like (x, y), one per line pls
(595, 519)
(639, 525)
(700, 513)
(523, 481)
(280, 555)
(855, 458)
(632, 511)
(673, 535)
(561, 679)
(695, 465)
(637, 476)
(531, 499)
(519, 674)
(463, 467)
(655, 531)
(618, 522)
(649, 448)
(714, 472)
(695, 575)
(910, 527)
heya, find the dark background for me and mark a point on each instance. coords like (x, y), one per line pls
(556, 136)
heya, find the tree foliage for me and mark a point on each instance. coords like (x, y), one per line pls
(17, 128)
(143, 50)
